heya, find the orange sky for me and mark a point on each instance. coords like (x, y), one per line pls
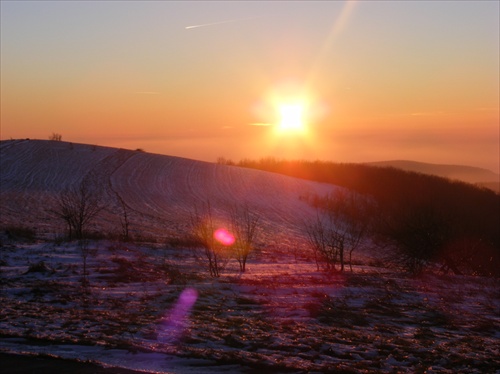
(382, 80)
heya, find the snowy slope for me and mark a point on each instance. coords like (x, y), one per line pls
(152, 308)
(160, 192)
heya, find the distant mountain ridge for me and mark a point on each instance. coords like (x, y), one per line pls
(469, 174)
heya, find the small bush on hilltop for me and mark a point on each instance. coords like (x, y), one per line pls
(55, 137)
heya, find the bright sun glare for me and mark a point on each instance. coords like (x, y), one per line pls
(291, 117)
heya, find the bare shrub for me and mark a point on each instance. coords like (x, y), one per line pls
(244, 225)
(326, 243)
(78, 206)
(341, 224)
(203, 227)
(124, 221)
(55, 137)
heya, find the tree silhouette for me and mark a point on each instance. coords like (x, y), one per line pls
(78, 206)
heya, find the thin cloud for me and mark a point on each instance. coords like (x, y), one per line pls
(220, 22)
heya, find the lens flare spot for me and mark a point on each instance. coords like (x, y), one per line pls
(224, 237)
(188, 298)
(175, 322)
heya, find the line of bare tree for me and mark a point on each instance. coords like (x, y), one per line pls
(342, 222)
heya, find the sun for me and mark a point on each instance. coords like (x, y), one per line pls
(292, 110)
(291, 117)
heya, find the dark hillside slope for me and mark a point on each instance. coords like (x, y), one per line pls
(466, 217)
(159, 192)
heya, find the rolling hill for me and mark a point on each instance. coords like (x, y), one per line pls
(147, 307)
(160, 192)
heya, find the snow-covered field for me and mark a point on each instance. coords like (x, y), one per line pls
(152, 307)
(160, 192)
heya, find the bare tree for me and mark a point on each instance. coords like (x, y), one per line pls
(317, 234)
(125, 223)
(78, 206)
(327, 239)
(353, 212)
(341, 223)
(83, 245)
(244, 224)
(203, 227)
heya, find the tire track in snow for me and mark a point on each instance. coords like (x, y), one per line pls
(34, 172)
(173, 187)
(101, 174)
(148, 183)
(47, 166)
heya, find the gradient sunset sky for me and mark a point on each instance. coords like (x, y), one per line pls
(378, 80)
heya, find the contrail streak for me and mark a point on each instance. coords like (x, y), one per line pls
(218, 23)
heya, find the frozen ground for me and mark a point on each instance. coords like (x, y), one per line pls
(153, 309)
